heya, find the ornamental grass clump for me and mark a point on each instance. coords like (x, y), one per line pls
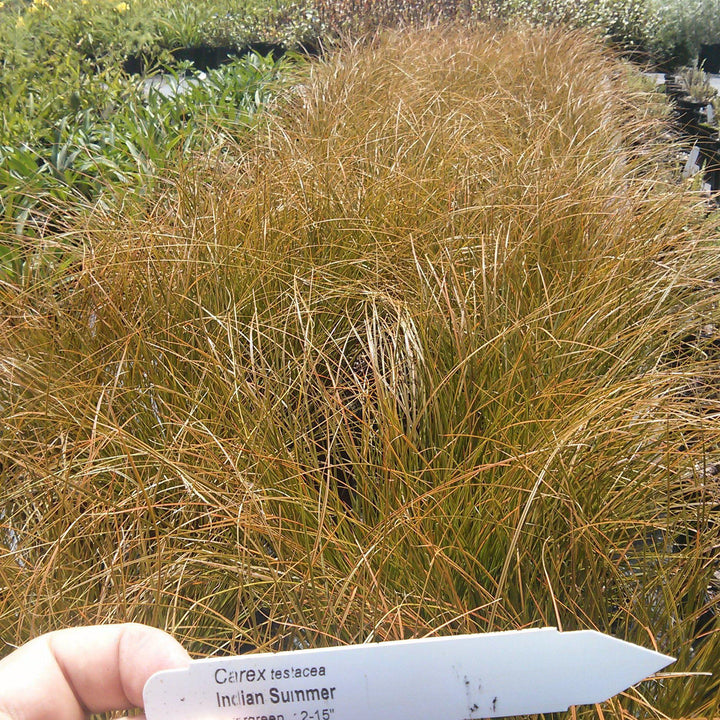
(433, 350)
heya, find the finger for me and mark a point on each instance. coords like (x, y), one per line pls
(66, 674)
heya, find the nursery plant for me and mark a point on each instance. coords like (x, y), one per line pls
(77, 128)
(664, 33)
(433, 350)
(696, 82)
(104, 152)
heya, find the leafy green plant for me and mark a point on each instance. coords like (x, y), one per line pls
(290, 24)
(624, 22)
(357, 17)
(75, 127)
(91, 155)
(679, 28)
(180, 25)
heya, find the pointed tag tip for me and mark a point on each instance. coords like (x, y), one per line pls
(664, 659)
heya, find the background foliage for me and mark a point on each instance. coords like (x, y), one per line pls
(68, 130)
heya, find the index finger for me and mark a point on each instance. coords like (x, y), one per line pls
(69, 673)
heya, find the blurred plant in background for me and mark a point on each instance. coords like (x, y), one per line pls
(292, 25)
(101, 154)
(677, 29)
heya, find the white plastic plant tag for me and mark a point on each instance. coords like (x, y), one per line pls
(450, 678)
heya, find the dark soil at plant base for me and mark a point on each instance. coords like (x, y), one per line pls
(692, 120)
(210, 57)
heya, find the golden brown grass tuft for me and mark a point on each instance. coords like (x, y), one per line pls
(434, 351)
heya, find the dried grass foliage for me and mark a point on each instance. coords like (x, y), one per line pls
(433, 351)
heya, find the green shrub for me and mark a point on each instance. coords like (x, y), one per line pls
(679, 28)
(103, 153)
(292, 25)
(622, 21)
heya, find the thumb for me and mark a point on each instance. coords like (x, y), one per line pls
(68, 674)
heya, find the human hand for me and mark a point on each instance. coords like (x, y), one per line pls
(69, 674)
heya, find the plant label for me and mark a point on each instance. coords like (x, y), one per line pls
(449, 678)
